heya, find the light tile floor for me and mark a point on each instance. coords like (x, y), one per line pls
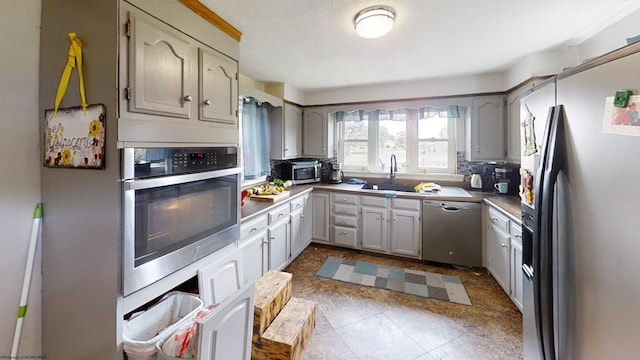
(362, 323)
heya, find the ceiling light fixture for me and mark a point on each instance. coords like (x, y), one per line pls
(374, 22)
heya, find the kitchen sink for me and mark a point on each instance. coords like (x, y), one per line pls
(444, 191)
(394, 187)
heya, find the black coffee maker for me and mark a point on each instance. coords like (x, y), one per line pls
(335, 173)
(506, 181)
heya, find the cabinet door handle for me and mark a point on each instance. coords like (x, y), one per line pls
(280, 215)
(272, 238)
(394, 219)
(187, 98)
(207, 102)
(253, 229)
(518, 236)
(302, 216)
(503, 245)
(344, 233)
(494, 220)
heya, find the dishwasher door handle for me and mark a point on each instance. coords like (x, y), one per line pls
(446, 208)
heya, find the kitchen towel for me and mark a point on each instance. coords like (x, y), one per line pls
(416, 282)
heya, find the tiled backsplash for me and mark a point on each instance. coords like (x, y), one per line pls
(485, 170)
(276, 168)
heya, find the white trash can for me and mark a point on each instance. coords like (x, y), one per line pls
(141, 333)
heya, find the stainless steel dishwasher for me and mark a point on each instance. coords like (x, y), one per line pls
(452, 232)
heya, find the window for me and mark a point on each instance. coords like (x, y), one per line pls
(254, 123)
(423, 140)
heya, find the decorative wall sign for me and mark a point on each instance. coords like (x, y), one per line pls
(75, 139)
(622, 121)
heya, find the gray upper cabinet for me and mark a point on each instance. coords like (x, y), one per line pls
(485, 140)
(513, 128)
(160, 70)
(218, 85)
(317, 133)
(175, 86)
(292, 131)
(286, 132)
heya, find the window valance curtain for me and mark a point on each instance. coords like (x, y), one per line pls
(255, 139)
(399, 114)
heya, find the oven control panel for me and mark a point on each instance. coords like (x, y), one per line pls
(152, 162)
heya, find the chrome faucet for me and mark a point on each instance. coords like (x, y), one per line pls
(393, 164)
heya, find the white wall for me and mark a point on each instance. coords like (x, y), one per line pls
(611, 38)
(20, 159)
(473, 84)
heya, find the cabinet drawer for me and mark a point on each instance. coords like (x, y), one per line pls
(516, 233)
(342, 209)
(343, 236)
(344, 198)
(407, 204)
(373, 201)
(499, 220)
(297, 204)
(279, 213)
(343, 220)
(253, 227)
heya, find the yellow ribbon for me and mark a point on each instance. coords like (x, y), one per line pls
(74, 60)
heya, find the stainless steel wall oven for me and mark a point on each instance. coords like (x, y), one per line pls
(180, 205)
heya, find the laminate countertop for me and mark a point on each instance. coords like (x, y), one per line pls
(510, 205)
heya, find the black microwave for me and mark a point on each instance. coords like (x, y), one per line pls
(301, 172)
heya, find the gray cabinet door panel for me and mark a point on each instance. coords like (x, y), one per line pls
(160, 69)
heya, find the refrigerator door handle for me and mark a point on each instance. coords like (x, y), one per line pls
(554, 164)
(539, 189)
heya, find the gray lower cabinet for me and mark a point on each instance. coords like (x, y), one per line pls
(278, 237)
(405, 230)
(297, 230)
(344, 220)
(226, 332)
(320, 227)
(374, 223)
(253, 245)
(504, 253)
(515, 270)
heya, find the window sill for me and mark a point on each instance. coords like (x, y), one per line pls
(406, 176)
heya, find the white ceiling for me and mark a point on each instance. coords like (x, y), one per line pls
(311, 45)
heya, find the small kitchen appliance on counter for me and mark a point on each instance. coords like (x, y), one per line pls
(335, 173)
(506, 181)
(301, 172)
(476, 181)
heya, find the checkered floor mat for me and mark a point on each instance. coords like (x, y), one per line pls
(416, 282)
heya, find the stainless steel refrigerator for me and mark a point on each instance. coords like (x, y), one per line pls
(581, 237)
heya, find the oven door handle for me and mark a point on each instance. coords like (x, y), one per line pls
(141, 184)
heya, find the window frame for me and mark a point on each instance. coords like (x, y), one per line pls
(411, 147)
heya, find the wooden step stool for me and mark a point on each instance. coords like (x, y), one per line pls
(273, 291)
(281, 328)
